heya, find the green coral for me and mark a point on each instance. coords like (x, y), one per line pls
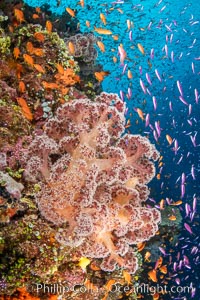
(29, 251)
(3, 18)
(15, 174)
(5, 43)
(169, 211)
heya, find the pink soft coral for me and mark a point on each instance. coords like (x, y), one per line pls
(94, 177)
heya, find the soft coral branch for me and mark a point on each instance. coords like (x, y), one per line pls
(99, 187)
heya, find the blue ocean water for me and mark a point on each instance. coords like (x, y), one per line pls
(168, 32)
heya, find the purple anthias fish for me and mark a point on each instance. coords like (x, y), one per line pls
(158, 75)
(188, 228)
(143, 86)
(154, 102)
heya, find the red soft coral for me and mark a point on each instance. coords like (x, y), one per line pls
(98, 181)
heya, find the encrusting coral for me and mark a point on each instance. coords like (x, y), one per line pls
(36, 70)
(82, 46)
(93, 177)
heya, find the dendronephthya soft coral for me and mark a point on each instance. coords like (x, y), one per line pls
(93, 176)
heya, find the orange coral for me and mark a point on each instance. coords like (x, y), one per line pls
(49, 85)
(22, 294)
(68, 77)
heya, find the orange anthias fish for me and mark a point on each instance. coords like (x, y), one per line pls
(127, 276)
(22, 87)
(49, 26)
(87, 23)
(70, 12)
(101, 46)
(60, 69)
(115, 37)
(128, 124)
(140, 113)
(28, 59)
(19, 70)
(29, 47)
(179, 202)
(25, 109)
(128, 22)
(163, 269)
(147, 256)
(82, 3)
(172, 218)
(169, 139)
(103, 18)
(16, 52)
(19, 15)
(156, 296)
(39, 36)
(109, 284)
(152, 275)
(158, 263)
(35, 16)
(90, 286)
(71, 48)
(39, 68)
(38, 51)
(38, 9)
(102, 30)
(100, 75)
(162, 203)
(114, 59)
(141, 246)
(129, 74)
(141, 48)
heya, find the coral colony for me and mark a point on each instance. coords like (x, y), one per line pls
(94, 178)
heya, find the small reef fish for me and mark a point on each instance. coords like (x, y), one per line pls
(122, 54)
(100, 75)
(103, 18)
(141, 48)
(101, 46)
(28, 59)
(87, 23)
(71, 47)
(169, 139)
(152, 275)
(71, 12)
(102, 31)
(25, 109)
(19, 15)
(16, 52)
(49, 26)
(140, 113)
(83, 263)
